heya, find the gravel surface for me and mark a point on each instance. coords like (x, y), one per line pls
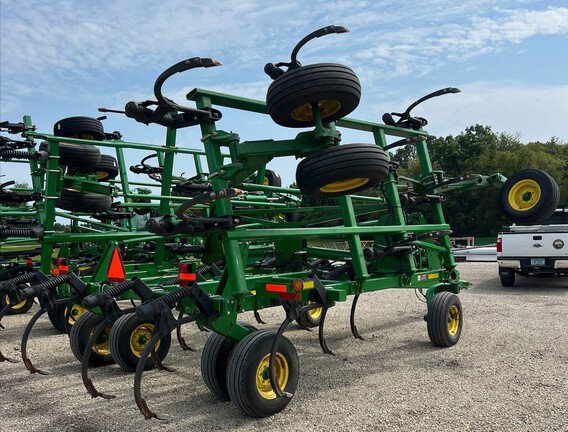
(508, 372)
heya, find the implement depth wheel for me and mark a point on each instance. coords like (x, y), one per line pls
(214, 361)
(342, 170)
(445, 319)
(529, 196)
(310, 319)
(84, 202)
(58, 316)
(88, 128)
(107, 169)
(128, 339)
(80, 335)
(248, 379)
(333, 87)
(19, 308)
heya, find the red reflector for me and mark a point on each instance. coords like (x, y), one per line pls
(115, 270)
(275, 288)
(184, 268)
(63, 269)
(29, 262)
(185, 278)
(54, 272)
(289, 296)
(61, 262)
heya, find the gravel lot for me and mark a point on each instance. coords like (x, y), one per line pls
(509, 371)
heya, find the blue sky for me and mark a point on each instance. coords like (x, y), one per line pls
(67, 58)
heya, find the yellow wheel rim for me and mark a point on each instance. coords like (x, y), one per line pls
(281, 373)
(315, 313)
(524, 195)
(453, 320)
(140, 338)
(326, 107)
(76, 312)
(16, 306)
(101, 345)
(344, 185)
(101, 175)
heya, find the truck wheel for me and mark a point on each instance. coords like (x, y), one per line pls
(128, 339)
(19, 308)
(507, 277)
(74, 200)
(248, 382)
(529, 196)
(81, 333)
(334, 87)
(214, 361)
(342, 170)
(445, 319)
(88, 128)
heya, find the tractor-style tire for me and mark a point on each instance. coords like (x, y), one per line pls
(107, 169)
(248, 381)
(310, 319)
(80, 127)
(19, 308)
(77, 156)
(128, 339)
(507, 277)
(342, 170)
(62, 321)
(445, 319)
(84, 202)
(80, 334)
(529, 196)
(272, 178)
(214, 362)
(333, 87)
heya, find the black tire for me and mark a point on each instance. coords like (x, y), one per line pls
(247, 379)
(77, 156)
(310, 319)
(445, 319)
(334, 87)
(59, 318)
(342, 170)
(74, 200)
(107, 169)
(128, 339)
(507, 277)
(214, 361)
(80, 127)
(272, 178)
(80, 334)
(529, 196)
(19, 308)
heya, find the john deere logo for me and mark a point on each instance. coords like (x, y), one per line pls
(558, 244)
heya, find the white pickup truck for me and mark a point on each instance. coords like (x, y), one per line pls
(534, 249)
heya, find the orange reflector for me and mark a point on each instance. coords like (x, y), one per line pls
(297, 285)
(54, 272)
(289, 296)
(275, 288)
(185, 278)
(115, 270)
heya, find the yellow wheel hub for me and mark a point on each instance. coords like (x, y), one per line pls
(326, 107)
(101, 345)
(315, 313)
(76, 312)
(281, 373)
(524, 195)
(453, 320)
(140, 338)
(344, 185)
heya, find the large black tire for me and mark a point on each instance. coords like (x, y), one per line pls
(80, 127)
(214, 362)
(78, 156)
(310, 319)
(19, 308)
(107, 169)
(74, 200)
(272, 178)
(248, 383)
(128, 339)
(334, 87)
(80, 334)
(507, 277)
(529, 196)
(342, 170)
(445, 319)
(60, 319)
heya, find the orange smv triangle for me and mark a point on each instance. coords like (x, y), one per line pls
(115, 271)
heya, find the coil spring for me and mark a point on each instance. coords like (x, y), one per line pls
(176, 296)
(18, 232)
(17, 154)
(98, 299)
(25, 278)
(120, 288)
(35, 290)
(152, 308)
